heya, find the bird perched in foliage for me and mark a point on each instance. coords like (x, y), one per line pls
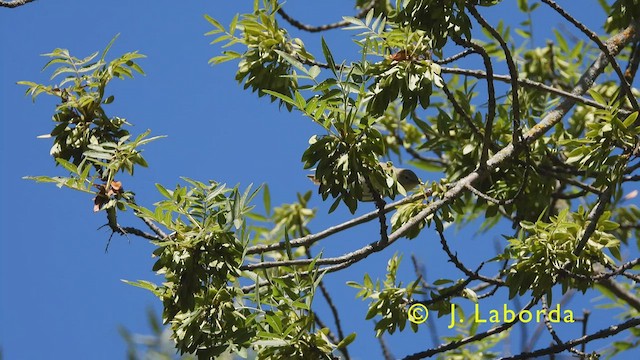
(405, 177)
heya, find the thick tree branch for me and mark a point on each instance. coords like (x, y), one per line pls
(621, 293)
(603, 47)
(311, 239)
(14, 4)
(616, 43)
(610, 331)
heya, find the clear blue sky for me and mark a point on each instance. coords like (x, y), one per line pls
(61, 295)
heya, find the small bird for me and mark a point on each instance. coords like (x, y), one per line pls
(405, 177)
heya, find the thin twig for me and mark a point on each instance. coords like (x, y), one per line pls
(552, 331)
(454, 259)
(585, 319)
(532, 84)
(422, 275)
(632, 66)
(479, 336)
(322, 325)
(455, 57)
(385, 349)
(621, 293)
(334, 311)
(142, 234)
(513, 71)
(538, 331)
(554, 349)
(460, 110)
(592, 218)
(491, 93)
(311, 28)
(603, 47)
(154, 227)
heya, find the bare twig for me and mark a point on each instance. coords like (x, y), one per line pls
(491, 93)
(322, 325)
(538, 331)
(531, 84)
(140, 233)
(460, 110)
(585, 319)
(551, 330)
(422, 275)
(454, 259)
(592, 218)
(632, 66)
(311, 28)
(385, 349)
(513, 71)
(154, 228)
(621, 293)
(455, 57)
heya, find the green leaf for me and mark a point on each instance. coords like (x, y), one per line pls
(328, 57)
(346, 341)
(142, 284)
(164, 191)
(282, 97)
(631, 119)
(597, 97)
(266, 199)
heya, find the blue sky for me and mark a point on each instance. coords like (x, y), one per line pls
(61, 295)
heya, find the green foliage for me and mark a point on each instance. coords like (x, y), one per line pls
(261, 66)
(80, 118)
(389, 301)
(236, 279)
(286, 329)
(200, 262)
(439, 19)
(545, 256)
(92, 146)
(621, 14)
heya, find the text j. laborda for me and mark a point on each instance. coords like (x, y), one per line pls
(555, 315)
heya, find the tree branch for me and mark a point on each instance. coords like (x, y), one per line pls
(513, 71)
(310, 28)
(14, 4)
(610, 331)
(532, 84)
(456, 344)
(603, 47)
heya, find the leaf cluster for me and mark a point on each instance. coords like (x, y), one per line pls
(545, 256)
